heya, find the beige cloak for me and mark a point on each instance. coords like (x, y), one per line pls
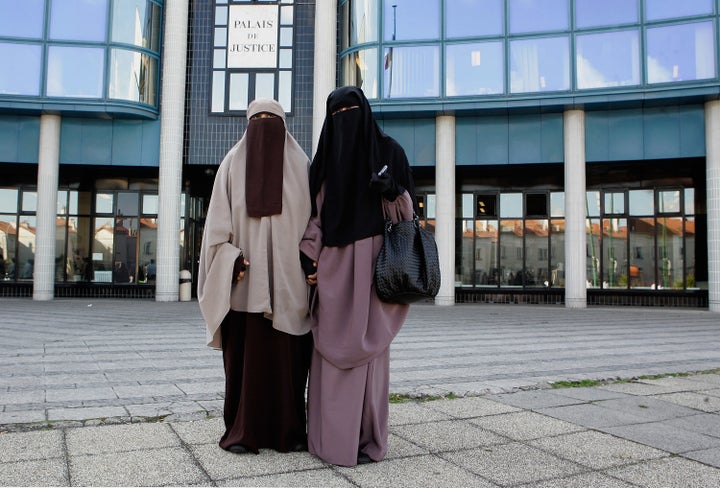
(274, 283)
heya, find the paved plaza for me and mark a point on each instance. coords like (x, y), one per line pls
(124, 392)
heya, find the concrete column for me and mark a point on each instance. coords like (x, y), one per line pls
(445, 206)
(325, 67)
(712, 164)
(172, 118)
(575, 238)
(47, 189)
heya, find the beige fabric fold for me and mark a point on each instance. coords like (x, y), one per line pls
(274, 283)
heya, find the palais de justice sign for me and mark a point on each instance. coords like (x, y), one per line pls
(252, 36)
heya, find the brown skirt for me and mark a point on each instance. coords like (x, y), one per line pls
(265, 377)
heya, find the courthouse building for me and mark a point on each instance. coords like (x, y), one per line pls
(564, 151)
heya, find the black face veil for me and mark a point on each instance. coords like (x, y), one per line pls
(351, 148)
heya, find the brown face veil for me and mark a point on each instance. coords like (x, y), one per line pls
(264, 169)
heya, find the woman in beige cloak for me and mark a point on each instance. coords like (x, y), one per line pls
(251, 288)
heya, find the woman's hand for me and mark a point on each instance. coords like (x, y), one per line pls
(312, 279)
(241, 266)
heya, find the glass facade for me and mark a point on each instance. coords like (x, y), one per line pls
(636, 239)
(511, 48)
(95, 52)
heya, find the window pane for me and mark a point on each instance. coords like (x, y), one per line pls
(591, 13)
(614, 203)
(286, 15)
(474, 69)
(536, 256)
(133, 76)
(218, 92)
(26, 247)
(286, 36)
(608, 60)
(80, 202)
(125, 261)
(220, 37)
(62, 202)
(127, 204)
(511, 251)
(285, 58)
(75, 72)
(78, 20)
(689, 201)
(470, 18)
(29, 201)
(487, 272)
(592, 231)
(592, 199)
(21, 19)
(665, 9)
(24, 77)
(79, 263)
(265, 85)
(615, 253)
(557, 204)
(669, 201)
(467, 206)
(642, 251)
(363, 21)
(150, 204)
(412, 72)
(412, 19)
(541, 64)
(147, 269)
(537, 15)
(284, 96)
(641, 202)
(681, 53)
(690, 255)
(536, 204)
(511, 205)
(466, 253)
(8, 238)
(102, 250)
(8, 200)
(221, 15)
(104, 203)
(486, 205)
(557, 252)
(137, 22)
(670, 252)
(360, 69)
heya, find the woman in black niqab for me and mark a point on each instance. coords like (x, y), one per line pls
(351, 151)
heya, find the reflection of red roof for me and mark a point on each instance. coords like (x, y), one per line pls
(27, 227)
(645, 225)
(147, 222)
(7, 228)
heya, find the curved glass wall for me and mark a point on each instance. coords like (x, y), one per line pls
(505, 49)
(92, 54)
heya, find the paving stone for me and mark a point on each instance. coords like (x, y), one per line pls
(694, 400)
(591, 415)
(470, 407)
(31, 445)
(80, 394)
(447, 435)
(535, 399)
(421, 471)
(400, 448)
(84, 413)
(525, 425)
(665, 437)
(707, 456)
(201, 431)
(224, 465)
(514, 463)
(588, 394)
(22, 416)
(704, 423)
(597, 450)
(586, 480)
(638, 388)
(681, 383)
(120, 438)
(413, 412)
(314, 477)
(647, 408)
(147, 391)
(671, 472)
(158, 467)
(42, 472)
(23, 397)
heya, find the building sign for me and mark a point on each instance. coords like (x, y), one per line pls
(252, 36)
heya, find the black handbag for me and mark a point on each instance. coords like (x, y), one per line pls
(407, 269)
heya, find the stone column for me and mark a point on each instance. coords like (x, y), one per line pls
(712, 164)
(325, 67)
(47, 189)
(172, 119)
(575, 238)
(445, 207)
